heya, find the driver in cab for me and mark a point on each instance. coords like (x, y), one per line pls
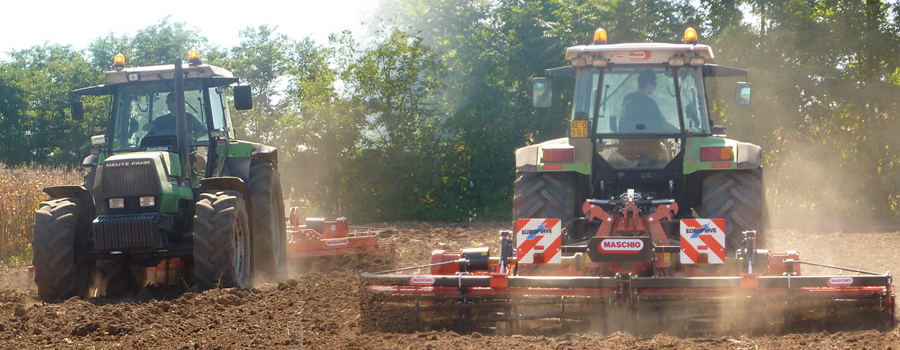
(640, 114)
(165, 124)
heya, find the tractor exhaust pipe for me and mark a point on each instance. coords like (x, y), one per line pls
(181, 122)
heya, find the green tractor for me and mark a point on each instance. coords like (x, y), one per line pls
(640, 121)
(171, 196)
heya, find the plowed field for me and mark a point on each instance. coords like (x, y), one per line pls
(318, 307)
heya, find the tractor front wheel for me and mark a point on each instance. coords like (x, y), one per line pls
(57, 272)
(738, 197)
(221, 241)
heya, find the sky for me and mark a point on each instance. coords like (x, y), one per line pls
(29, 23)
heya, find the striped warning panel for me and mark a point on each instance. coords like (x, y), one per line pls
(702, 241)
(538, 241)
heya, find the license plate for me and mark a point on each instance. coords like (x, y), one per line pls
(579, 128)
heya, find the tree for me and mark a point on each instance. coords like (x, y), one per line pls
(392, 86)
(262, 60)
(36, 87)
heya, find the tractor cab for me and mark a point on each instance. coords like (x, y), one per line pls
(143, 113)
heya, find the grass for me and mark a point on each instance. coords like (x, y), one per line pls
(20, 196)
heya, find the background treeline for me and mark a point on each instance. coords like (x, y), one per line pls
(419, 120)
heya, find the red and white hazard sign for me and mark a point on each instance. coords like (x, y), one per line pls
(538, 241)
(702, 241)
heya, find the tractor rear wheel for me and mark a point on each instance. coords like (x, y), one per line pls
(544, 195)
(57, 272)
(221, 241)
(738, 197)
(269, 226)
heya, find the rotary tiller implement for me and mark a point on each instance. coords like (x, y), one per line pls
(326, 238)
(642, 272)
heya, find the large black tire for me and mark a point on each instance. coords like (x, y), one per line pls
(221, 241)
(738, 196)
(269, 226)
(545, 195)
(58, 227)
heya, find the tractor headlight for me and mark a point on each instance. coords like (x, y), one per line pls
(148, 201)
(116, 203)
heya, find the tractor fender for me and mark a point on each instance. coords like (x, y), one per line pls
(91, 161)
(527, 159)
(73, 191)
(264, 152)
(749, 155)
(225, 183)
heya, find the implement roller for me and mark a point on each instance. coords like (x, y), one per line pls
(632, 275)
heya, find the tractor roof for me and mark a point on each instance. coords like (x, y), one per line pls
(639, 53)
(164, 72)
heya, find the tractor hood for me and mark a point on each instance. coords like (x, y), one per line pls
(131, 176)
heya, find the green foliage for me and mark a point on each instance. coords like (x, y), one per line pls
(824, 104)
(37, 82)
(420, 121)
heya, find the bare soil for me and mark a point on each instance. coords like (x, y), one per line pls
(318, 307)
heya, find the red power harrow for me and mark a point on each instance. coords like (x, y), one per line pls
(322, 238)
(632, 275)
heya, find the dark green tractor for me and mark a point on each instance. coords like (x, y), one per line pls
(170, 189)
(640, 120)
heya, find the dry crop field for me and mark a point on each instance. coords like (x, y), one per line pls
(20, 194)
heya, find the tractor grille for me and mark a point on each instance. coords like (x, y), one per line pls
(130, 231)
(129, 180)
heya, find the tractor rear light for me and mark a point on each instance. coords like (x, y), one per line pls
(558, 155)
(713, 154)
(116, 203)
(148, 201)
(95, 150)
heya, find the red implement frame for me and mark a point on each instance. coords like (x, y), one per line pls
(335, 239)
(754, 281)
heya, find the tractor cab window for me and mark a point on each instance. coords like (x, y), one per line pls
(641, 100)
(217, 108)
(144, 118)
(636, 111)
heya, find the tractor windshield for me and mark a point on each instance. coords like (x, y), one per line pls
(638, 121)
(143, 116)
(641, 100)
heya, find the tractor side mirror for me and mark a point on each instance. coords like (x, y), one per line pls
(243, 97)
(742, 93)
(542, 92)
(77, 108)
